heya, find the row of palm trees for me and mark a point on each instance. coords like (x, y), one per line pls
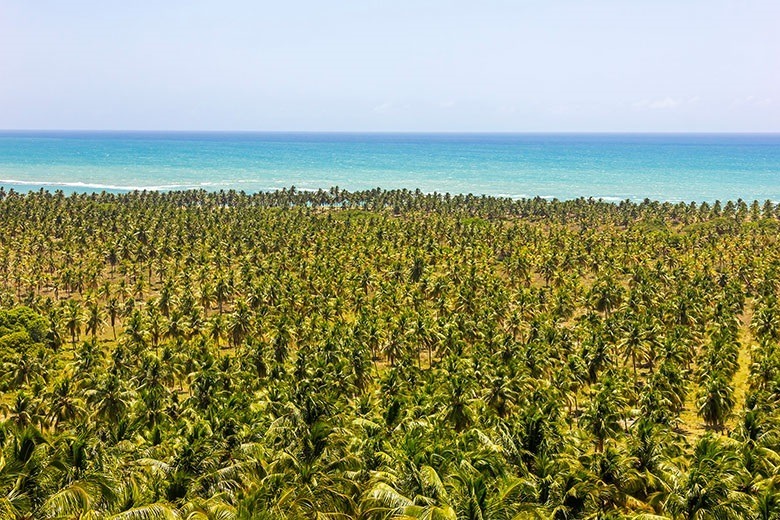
(386, 355)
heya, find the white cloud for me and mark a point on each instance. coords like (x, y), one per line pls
(384, 108)
(665, 103)
(751, 101)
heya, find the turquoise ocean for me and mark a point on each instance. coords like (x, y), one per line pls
(667, 167)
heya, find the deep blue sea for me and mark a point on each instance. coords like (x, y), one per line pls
(674, 167)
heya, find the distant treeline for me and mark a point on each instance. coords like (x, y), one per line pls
(581, 209)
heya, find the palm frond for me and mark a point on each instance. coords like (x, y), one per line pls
(157, 511)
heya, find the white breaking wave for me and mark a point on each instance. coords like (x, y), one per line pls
(206, 185)
(100, 186)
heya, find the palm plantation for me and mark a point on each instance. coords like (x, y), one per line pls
(386, 354)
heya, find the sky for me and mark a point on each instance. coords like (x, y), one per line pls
(396, 65)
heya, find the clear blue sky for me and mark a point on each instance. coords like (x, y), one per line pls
(397, 65)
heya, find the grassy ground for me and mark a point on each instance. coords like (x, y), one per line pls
(691, 424)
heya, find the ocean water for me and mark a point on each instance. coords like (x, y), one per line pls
(673, 167)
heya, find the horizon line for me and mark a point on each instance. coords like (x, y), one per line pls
(389, 132)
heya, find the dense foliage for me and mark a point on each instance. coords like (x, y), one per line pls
(381, 355)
